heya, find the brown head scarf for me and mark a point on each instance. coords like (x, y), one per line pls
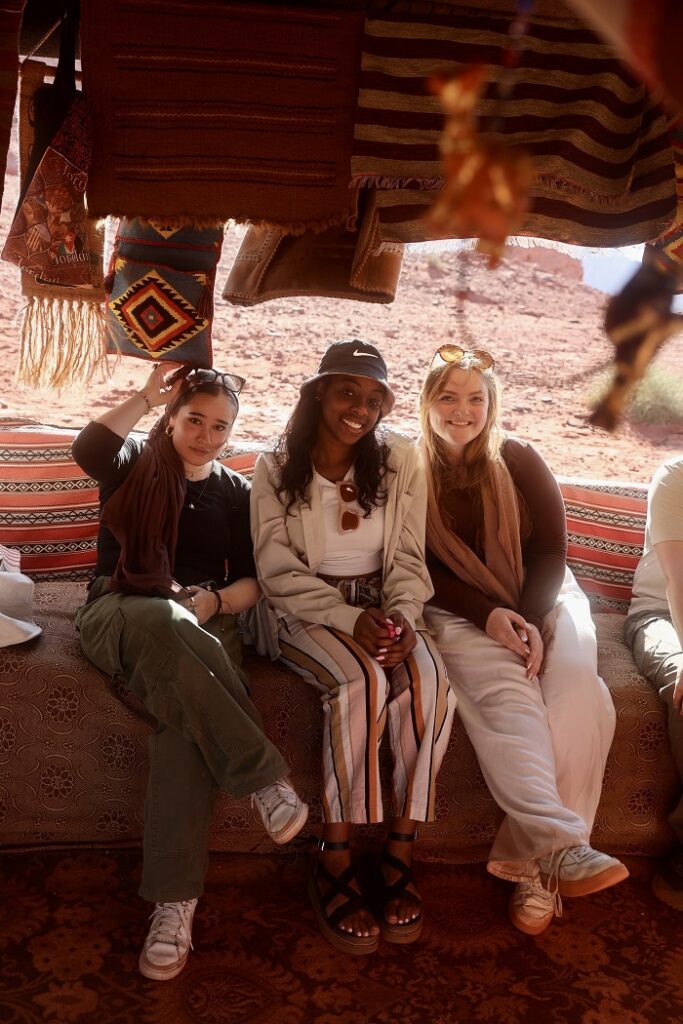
(143, 514)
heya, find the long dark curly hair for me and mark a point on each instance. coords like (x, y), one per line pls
(295, 464)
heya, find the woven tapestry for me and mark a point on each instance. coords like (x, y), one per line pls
(48, 238)
(61, 334)
(241, 111)
(604, 171)
(160, 291)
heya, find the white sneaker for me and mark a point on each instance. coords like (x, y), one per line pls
(532, 907)
(282, 811)
(580, 870)
(168, 941)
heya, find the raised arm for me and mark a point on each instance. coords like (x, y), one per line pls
(102, 449)
(154, 393)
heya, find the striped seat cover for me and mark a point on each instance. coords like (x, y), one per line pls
(48, 509)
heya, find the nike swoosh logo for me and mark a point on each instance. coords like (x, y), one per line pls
(368, 355)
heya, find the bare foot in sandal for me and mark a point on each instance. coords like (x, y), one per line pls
(340, 908)
(359, 922)
(402, 908)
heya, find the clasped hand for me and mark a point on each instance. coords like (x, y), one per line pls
(388, 638)
(523, 638)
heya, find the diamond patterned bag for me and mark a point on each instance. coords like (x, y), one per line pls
(160, 291)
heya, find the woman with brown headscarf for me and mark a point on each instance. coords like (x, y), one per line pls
(174, 569)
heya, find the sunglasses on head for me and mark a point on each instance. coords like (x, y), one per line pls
(349, 519)
(197, 378)
(477, 358)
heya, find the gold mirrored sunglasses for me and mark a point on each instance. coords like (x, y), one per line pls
(475, 358)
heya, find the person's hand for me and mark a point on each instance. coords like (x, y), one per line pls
(404, 642)
(509, 629)
(513, 631)
(203, 604)
(677, 699)
(372, 633)
(156, 388)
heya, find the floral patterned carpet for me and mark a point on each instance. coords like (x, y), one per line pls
(71, 927)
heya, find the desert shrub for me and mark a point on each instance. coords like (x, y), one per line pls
(657, 398)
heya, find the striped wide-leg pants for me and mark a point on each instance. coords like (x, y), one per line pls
(358, 698)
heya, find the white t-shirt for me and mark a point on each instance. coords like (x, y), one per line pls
(358, 552)
(664, 523)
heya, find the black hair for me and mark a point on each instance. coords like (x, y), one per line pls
(295, 464)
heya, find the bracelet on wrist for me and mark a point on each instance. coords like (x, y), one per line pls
(219, 603)
(146, 400)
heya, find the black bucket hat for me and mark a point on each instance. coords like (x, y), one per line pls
(355, 358)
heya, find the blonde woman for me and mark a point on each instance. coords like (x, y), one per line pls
(516, 634)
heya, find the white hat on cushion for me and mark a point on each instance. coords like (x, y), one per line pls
(16, 609)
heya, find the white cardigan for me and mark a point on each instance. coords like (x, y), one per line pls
(288, 548)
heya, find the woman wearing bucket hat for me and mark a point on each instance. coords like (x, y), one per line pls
(172, 518)
(338, 514)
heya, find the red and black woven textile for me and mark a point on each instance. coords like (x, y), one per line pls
(160, 291)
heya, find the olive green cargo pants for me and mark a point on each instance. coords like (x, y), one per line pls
(209, 733)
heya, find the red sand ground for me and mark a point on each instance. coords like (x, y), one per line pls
(534, 314)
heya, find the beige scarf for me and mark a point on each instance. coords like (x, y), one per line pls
(501, 575)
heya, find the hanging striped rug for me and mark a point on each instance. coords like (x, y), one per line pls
(604, 166)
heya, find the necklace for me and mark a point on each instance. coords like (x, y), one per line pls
(194, 501)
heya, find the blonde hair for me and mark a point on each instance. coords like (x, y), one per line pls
(482, 451)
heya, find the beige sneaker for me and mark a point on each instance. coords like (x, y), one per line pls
(580, 871)
(282, 811)
(168, 941)
(532, 907)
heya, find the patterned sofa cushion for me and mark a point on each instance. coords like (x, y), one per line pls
(605, 527)
(48, 506)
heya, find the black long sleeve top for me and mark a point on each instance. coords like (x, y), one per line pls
(214, 538)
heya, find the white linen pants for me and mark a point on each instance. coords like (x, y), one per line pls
(542, 744)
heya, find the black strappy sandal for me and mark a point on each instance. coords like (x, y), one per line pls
(339, 885)
(400, 933)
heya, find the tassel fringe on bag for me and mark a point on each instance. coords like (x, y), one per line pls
(62, 342)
